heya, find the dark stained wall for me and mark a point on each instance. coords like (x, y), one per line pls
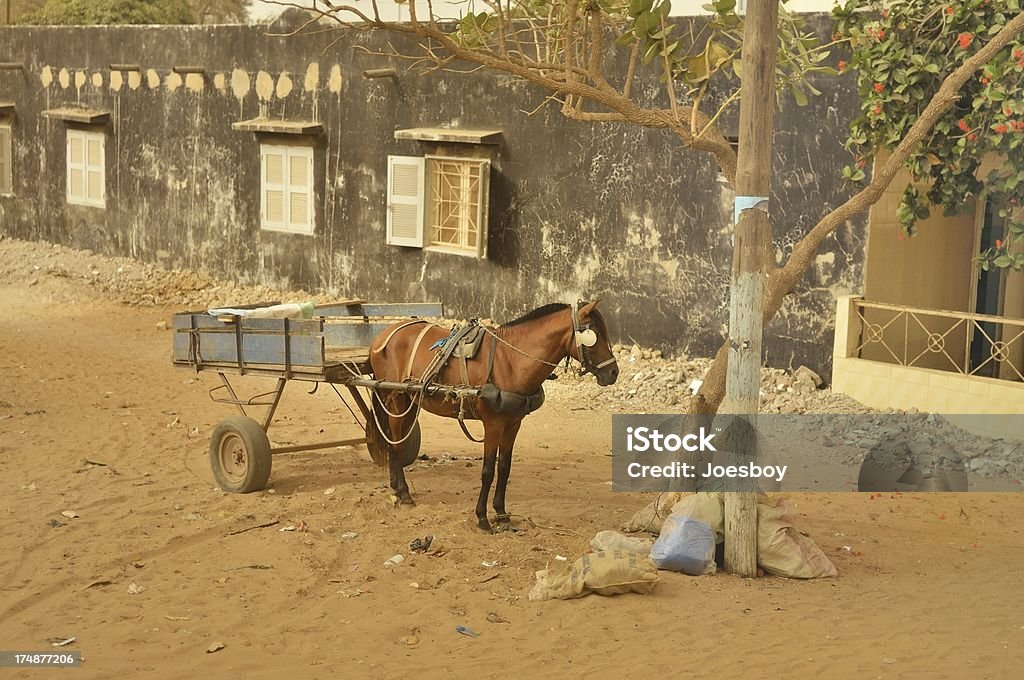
(577, 209)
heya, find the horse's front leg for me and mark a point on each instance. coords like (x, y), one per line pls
(508, 440)
(492, 437)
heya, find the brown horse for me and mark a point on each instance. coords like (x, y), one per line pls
(515, 358)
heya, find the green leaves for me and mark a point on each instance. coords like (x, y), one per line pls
(900, 56)
(475, 29)
(853, 174)
(638, 7)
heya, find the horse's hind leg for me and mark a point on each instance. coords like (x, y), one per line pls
(492, 436)
(508, 440)
(399, 428)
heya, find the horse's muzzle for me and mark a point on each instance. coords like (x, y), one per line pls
(607, 375)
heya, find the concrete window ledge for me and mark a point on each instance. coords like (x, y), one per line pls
(78, 115)
(287, 127)
(450, 135)
(6, 108)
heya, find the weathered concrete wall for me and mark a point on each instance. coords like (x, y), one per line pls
(577, 210)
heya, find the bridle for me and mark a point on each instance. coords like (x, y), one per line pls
(584, 337)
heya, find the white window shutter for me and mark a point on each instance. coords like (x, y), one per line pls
(272, 194)
(482, 205)
(76, 166)
(405, 201)
(300, 190)
(94, 169)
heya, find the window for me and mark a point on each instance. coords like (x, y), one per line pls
(86, 168)
(6, 176)
(438, 202)
(286, 190)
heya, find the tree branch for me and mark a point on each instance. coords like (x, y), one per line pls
(783, 280)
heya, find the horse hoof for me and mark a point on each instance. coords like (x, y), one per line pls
(484, 524)
(502, 523)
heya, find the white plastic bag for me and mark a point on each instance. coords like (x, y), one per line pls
(686, 545)
(704, 507)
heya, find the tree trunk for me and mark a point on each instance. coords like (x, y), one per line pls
(750, 267)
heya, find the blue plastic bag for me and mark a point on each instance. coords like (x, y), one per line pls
(685, 545)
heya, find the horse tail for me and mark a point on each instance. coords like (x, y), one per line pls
(379, 429)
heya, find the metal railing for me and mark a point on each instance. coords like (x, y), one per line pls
(969, 344)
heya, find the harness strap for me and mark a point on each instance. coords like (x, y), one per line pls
(490, 359)
(465, 430)
(394, 330)
(415, 348)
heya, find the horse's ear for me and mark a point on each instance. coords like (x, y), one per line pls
(586, 309)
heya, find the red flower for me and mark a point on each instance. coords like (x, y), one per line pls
(877, 110)
(842, 65)
(1017, 125)
(1000, 128)
(885, 13)
(879, 87)
(881, 36)
(971, 136)
(1017, 54)
(999, 243)
(965, 39)
(1007, 111)
(949, 10)
(963, 125)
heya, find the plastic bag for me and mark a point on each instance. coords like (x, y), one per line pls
(704, 507)
(686, 545)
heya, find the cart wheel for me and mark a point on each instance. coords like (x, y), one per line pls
(408, 450)
(240, 455)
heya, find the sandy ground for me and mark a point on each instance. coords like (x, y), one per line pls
(932, 586)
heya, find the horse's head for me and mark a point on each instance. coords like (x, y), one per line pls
(592, 347)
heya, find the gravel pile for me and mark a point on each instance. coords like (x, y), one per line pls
(652, 383)
(132, 282)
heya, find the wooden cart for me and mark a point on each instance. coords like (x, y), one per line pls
(332, 348)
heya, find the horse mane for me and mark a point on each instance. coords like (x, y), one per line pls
(536, 314)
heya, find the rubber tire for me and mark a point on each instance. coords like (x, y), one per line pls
(255, 470)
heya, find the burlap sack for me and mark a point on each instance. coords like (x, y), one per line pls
(613, 540)
(650, 518)
(604, 573)
(784, 551)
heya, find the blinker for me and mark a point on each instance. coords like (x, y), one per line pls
(587, 338)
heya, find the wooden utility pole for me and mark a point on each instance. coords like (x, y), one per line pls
(751, 252)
